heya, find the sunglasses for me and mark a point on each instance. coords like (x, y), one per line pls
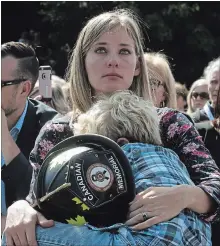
(156, 83)
(203, 95)
(12, 82)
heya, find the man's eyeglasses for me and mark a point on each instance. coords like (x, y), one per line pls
(12, 82)
(202, 95)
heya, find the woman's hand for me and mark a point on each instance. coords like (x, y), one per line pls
(21, 223)
(156, 204)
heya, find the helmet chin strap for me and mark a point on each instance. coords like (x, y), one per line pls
(48, 195)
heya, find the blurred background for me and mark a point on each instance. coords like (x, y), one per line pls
(187, 32)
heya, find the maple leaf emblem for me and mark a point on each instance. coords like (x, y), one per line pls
(79, 221)
(79, 202)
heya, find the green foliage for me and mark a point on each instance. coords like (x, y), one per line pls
(187, 32)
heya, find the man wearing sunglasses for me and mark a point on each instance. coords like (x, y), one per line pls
(21, 120)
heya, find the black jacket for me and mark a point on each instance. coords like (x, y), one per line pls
(17, 174)
(210, 136)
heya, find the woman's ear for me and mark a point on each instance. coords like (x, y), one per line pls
(122, 141)
(138, 68)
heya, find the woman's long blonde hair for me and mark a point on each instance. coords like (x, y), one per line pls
(80, 88)
(159, 69)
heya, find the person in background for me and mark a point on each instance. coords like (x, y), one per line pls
(66, 92)
(207, 122)
(181, 95)
(108, 56)
(58, 101)
(21, 121)
(197, 96)
(161, 80)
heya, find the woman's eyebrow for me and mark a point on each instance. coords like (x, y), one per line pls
(121, 44)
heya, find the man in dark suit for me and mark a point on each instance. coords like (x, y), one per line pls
(21, 120)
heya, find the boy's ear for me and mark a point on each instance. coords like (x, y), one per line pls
(122, 141)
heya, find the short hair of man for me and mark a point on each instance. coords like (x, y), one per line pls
(28, 64)
(122, 114)
(212, 67)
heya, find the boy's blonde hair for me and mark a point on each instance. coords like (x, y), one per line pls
(122, 114)
(80, 88)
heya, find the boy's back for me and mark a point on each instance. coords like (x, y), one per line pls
(155, 166)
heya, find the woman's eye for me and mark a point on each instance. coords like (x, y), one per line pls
(125, 52)
(100, 50)
(214, 82)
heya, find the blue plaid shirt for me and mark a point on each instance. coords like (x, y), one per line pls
(14, 133)
(158, 166)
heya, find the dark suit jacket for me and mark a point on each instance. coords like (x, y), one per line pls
(209, 135)
(17, 174)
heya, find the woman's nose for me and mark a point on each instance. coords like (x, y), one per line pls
(113, 61)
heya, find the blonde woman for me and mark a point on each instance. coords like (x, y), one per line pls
(161, 80)
(108, 56)
(58, 101)
(198, 95)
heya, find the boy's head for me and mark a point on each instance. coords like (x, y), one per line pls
(121, 115)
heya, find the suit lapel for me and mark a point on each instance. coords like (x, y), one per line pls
(29, 130)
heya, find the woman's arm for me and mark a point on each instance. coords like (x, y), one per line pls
(50, 135)
(22, 218)
(193, 194)
(179, 134)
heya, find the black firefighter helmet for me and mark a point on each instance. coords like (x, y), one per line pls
(85, 178)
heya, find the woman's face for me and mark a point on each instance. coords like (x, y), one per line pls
(111, 62)
(158, 92)
(213, 87)
(199, 97)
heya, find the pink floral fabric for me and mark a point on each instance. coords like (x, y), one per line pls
(177, 133)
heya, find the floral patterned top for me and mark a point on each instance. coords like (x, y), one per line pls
(177, 133)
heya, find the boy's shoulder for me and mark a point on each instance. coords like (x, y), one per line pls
(143, 149)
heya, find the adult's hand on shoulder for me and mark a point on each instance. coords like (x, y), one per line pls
(21, 224)
(155, 205)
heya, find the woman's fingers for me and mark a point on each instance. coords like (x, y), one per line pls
(140, 217)
(136, 205)
(9, 240)
(134, 220)
(22, 238)
(31, 235)
(138, 196)
(135, 212)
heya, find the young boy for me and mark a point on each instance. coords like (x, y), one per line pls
(132, 122)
